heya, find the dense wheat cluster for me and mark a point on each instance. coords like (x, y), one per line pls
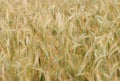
(59, 40)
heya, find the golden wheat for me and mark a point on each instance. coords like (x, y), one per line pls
(59, 40)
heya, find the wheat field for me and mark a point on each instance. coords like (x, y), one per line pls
(59, 40)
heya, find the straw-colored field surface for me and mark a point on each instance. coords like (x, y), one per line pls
(59, 40)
